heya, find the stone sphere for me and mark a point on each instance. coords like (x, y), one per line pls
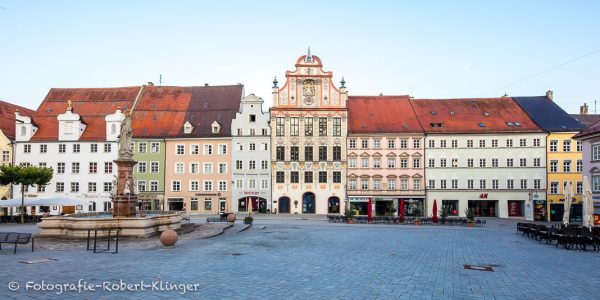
(231, 218)
(168, 238)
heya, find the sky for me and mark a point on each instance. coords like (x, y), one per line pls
(426, 49)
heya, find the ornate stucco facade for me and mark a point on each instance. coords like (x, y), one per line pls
(309, 128)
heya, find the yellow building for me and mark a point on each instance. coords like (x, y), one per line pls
(563, 156)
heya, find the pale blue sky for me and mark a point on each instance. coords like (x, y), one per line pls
(428, 49)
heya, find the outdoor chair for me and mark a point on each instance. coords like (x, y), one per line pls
(585, 238)
(569, 239)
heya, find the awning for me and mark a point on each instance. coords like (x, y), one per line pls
(55, 201)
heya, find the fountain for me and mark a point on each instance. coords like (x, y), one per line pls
(124, 200)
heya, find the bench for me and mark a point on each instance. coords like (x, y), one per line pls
(15, 238)
(216, 220)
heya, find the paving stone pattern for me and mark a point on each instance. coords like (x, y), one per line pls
(295, 259)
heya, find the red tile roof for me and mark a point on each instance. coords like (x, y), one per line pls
(92, 104)
(7, 117)
(381, 114)
(479, 115)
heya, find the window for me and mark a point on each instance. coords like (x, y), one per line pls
(62, 148)
(208, 168)
(364, 162)
(141, 185)
(337, 153)
(469, 143)
(239, 184)
(352, 184)
(579, 189)
(294, 126)
(222, 185)
(364, 184)
(537, 184)
(75, 168)
(279, 177)
(443, 184)
(494, 162)
(536, 142)
(454, 184)
(180, 149)
(265, 146)
(509, 143)
(377, 184)
(308, 126)
(377, 144)
(5, 155)
(322, 176)
(107, 148)
(74, 187)
(553, 187)
(443, 144)
(377, 163)
(337, 126)
(252, 165)
(364, 144)
(252, 146)
(280, 153)
(108, 167)
(194, 168)
(553, 145)
(352, 144)
(554, 166)
(567, 166)
(482, 184)
(416, 144)
(442, 162)
(596, 152)
(264, 184)
(595, 183)
(470, 184)
(252, 118)
(154, 168)
(391, 162)
(153, 185)
(294, 177)
(469, 163)
(194, 149)
(431, 143)
(223, 167)
(537, 162)
(579, 166)
(294, 153)
(482, 143)
(43, 148)
(60, 187)
(322, 126)
(416, 163)
(208, 204)
(523, 162)
(482, 162)
(208, 185)
(566, 145)
(404, 163)
(107, 187)
(42, 164)
(352, 162)
(579, 146)
(509, 162)
(41, 188)
(403, 144)
(432, 162)
(308, 153)
(417, 184)
(523, 184)
(142, 147)
(494, 143)
(391, 144)
(208, 149)
(179, 169)
(322, 153)
(431, 184)
(239, 165)
(60, 168)
(391, 183)
(455, 162)
(155, 147)
(454, 143)
(510, 184)
(194, 203)
(337, 177)
(27, 148)
(495, 184)
(523, 143)
(308, 177)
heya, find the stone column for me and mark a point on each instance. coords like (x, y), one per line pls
(123, 204)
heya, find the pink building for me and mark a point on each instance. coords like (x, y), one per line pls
(385, 155)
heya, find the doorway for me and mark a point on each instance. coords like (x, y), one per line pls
(284, 205)
(333, 205)
(308, 203)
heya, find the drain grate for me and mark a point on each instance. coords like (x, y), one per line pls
(483, 268)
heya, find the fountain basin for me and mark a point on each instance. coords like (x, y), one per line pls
(77, 225)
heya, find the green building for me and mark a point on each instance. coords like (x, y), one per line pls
(149, 171)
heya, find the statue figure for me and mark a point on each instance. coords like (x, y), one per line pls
(113, 190)
(125, 151)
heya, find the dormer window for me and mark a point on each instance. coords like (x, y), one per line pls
(216, 127)
(68, 127)
(252, 118)
(113, 129)
(187, 128)
(23, 130)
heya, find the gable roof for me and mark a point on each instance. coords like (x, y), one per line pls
(7, 118)
(472, 115)
(547, 114)
(381, 114)
(92, 104)
(593, 129)
(586, 119)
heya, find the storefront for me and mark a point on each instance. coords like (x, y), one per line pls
(451, 206)
(413, 207)
(539, 210)
(387, 206)
(484, 208)
(175, 204)
(557, 210)
(359, 205)
(516, 208)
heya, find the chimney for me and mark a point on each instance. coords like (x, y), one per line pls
(206, 84)
(150, 83)
(583, 110)
(550, 95)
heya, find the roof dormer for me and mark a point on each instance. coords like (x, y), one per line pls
(187, 127)
(70, 127)
(216, 127)
(23, 127)
(113, 125)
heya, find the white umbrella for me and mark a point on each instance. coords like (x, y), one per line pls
(44, 202)
(568, 192)
(588, 205)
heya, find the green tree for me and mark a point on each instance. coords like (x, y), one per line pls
(25, 176)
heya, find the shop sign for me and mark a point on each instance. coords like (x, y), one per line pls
(540, 201)
(207, 194)
(483, 196)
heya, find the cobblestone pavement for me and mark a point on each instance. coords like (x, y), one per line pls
(296, 259)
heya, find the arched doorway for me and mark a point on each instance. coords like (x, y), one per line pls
(284, 205)
(259, 205)
(333, 205)
(308, 203)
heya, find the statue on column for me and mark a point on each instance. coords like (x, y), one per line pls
(125, 151)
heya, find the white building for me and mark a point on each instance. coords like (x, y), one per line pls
(309, 122)
(482, 154)
(78, 139)
(251, 157)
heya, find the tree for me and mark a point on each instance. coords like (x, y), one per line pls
(25, 176)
